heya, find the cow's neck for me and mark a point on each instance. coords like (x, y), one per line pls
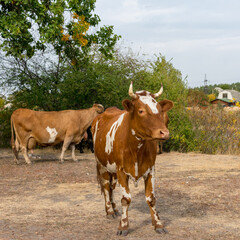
(135, 164)
(86, 117)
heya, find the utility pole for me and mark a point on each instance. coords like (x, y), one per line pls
(205, 85)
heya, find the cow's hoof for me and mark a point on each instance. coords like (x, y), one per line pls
(117, 214)
(161, 230)
(122, 232)
(111, 216)
(29, 163)
(61, 162)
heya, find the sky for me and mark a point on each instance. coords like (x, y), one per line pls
(201, 37)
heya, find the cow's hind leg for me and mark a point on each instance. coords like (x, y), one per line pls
(113, 182)
(151, 201)
(73, 152)
(104, 178)
(66, 143)
(16, 149)
(25, 154)
(125, 201)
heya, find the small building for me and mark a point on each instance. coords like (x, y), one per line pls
(229, 94)
(223, 102)
(232, 95)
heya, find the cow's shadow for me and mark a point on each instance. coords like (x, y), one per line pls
(170, 204)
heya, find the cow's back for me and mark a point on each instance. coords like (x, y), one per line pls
(103, 132)
(45, 127)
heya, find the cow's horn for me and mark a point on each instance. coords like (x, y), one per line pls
(159, 93)
(130, 91)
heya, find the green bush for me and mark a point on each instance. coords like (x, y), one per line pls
(5, 128)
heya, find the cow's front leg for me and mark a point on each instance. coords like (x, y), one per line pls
(125, 201)
(151, 201)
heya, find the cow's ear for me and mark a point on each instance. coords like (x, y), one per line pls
(166, 105)
(128, 105)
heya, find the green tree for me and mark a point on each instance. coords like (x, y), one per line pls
(28, 26)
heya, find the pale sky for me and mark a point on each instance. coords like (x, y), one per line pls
(202, 37)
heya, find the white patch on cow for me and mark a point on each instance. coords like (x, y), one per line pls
(124, 216)
(149, 199)
(153, 179)
(95, 132)
(110, 137)
(53, 133)
(156, 216)
(142, 91)
(151, 102)
(139, 139)
(146, 173)
(136, 169)
(133, 132)
(112, 168)
(140, 145)
(124, 192)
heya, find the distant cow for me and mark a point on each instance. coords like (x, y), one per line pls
(86, 142)
(125, 146)
(50, 128)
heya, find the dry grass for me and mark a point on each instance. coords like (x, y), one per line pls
(216, 130)
(197, 198)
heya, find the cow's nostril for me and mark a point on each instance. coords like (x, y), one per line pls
(164, 134)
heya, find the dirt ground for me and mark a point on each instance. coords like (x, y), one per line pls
(198, 197)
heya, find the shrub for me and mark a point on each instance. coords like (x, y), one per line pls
(216, 130)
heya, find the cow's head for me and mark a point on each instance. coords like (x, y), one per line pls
(148, 117)
(99, 108)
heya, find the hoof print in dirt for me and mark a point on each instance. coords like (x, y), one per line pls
(122, 232)
(161, 230)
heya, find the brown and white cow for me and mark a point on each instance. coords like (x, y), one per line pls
(125, 145)
(50, 128)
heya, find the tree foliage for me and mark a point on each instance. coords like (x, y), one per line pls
(29, 26)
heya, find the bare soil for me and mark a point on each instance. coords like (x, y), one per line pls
(198, 197)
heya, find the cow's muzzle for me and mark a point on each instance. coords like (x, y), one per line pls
(161, 134)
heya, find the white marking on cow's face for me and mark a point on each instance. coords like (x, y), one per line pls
(142, 91)
(110, 137)
(151, 102)
(95, 132)
(53, 133)
(136, 169)
(112, 168)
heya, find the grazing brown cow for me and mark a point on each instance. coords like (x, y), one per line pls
(125, 144)
(50, 128)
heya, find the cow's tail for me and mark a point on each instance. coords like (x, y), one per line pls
(99, 177)
(13, 144)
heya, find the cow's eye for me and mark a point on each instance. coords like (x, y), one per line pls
(140, 111)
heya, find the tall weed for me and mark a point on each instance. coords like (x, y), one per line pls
(216, 130)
